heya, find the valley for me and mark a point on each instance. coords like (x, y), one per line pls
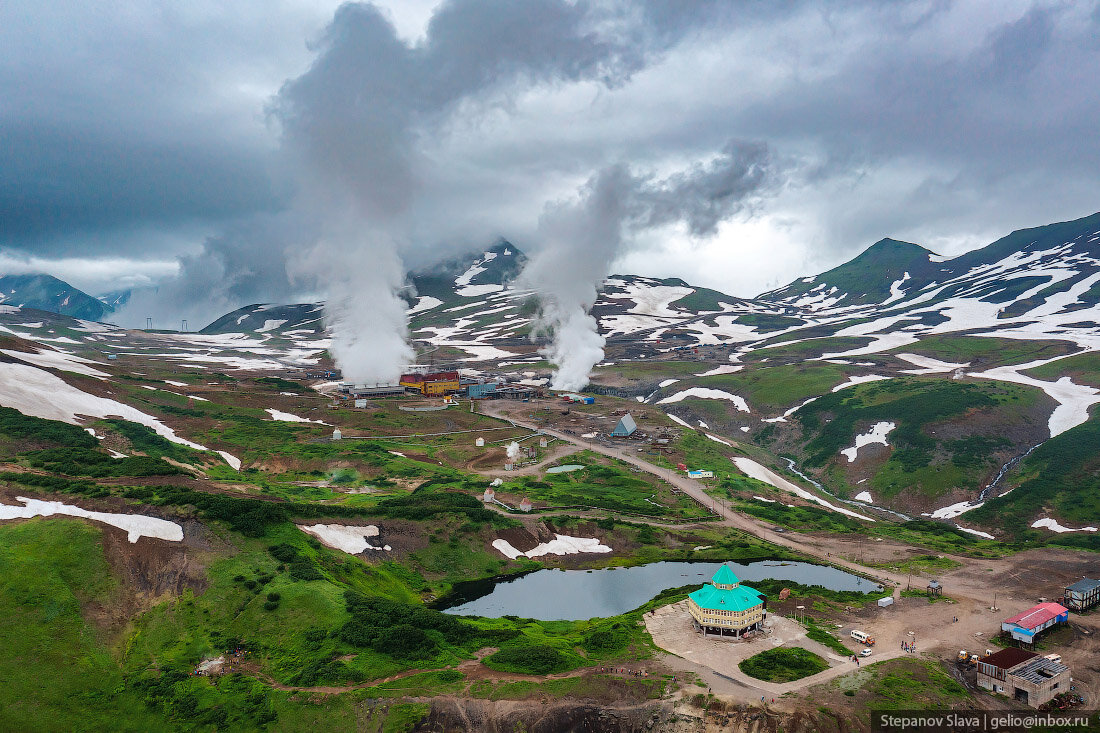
(208, 530)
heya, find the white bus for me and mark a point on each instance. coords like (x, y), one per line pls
(863, 637)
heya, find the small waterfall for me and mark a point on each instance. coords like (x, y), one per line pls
(1004, 470)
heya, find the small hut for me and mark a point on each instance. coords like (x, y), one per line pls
(525, 505)
(336, 434)
(480, 442)
(625, 428)
(489, 496)
(934, 588)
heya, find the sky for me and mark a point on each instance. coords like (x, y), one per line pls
(217, 151)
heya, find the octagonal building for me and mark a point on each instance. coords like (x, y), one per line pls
(726, 608)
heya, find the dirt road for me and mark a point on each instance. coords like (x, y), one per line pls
(981, 591)
(696, 490)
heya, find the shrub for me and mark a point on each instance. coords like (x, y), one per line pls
(17, 425)
(271, 605)
(529, 659)
(304, 571)
(783, 664)
(273, 597)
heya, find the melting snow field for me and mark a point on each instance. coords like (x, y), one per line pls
(859, 379)
(716, 439)
(58, 360)
(288, 417)
(1074, 400)
(1053, 526)
(976, 532)
(928, 365)
(722, 369)
(560, 545)
(135, 525)
(232, 460)
(706, 393)
(877, 434)
(677, 420)
(39, 393)
(351, 539)
(865, 497)
(950, 512)
(752, 469)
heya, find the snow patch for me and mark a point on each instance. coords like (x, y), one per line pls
(877, 434)
(560, 545)
(351, 539)
(39, 393)
(752, 469)
(288, 417)
(950, 512)
(859, 379)
(270, 325)
(135, 525)
(232, 460)
(706, 393)
(1053, 526)
(865, 497)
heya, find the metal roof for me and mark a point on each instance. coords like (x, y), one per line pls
(1008, 658)
(725, 576)
(1039, 670)
(626, 426)
(1037, 615)
(738, 598)
(1084, 585)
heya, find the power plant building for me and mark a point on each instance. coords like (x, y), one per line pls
(432, 383)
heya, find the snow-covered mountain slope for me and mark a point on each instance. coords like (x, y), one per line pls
(47, 293)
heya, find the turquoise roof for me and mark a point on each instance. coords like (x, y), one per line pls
(725, 576)
(736, 598)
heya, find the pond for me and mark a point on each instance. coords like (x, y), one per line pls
(565, 469)
(572, 595)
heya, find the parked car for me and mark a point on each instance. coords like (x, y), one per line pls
(865, 652)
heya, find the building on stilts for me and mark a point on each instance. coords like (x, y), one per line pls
(726, 608)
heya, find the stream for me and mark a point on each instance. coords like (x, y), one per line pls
(822, 489)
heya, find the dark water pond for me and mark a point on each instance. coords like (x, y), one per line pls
(572, 595)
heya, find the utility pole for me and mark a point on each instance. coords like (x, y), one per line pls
(149, 322)
(184, 329)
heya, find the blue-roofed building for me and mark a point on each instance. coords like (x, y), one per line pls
(725, 607)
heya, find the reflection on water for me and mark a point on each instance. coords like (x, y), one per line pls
(579, 594)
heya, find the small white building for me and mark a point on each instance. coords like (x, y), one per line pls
(336, 434)
(480, 442)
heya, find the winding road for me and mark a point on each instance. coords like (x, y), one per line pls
(813, 547)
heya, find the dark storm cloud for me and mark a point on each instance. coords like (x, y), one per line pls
(117, 118)
(928, 118)
(55, 181)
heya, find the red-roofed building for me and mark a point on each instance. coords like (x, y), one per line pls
(1026, 625)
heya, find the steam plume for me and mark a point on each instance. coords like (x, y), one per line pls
(580, 239)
